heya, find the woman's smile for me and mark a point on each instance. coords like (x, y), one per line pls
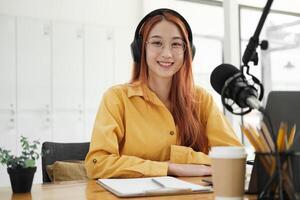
(165, 64)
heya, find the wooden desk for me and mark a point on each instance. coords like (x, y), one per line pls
(90, 190)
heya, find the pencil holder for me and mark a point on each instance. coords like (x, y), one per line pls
(266, 176)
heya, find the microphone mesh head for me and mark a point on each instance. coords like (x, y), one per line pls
(220, 74)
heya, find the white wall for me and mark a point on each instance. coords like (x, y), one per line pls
(101, 12)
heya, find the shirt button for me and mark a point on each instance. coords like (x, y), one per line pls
(172, 133)
(94, 161)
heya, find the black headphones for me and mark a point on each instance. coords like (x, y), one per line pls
(136, 45)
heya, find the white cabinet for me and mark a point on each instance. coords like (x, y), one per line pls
(34, 63)
(7, 88)
(99, 70)
(34, 81)
(34, 78)
(52, 78)
(68, 113)
(7, 81)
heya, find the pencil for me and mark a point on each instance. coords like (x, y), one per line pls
(280, 137)
(264, 140)
(251, 137)
(255, 134)
(267, 135)
(291, 137)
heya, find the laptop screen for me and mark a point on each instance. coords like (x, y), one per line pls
(284, 106)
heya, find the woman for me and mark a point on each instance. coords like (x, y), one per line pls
(160, 123)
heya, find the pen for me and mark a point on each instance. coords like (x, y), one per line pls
(166, 190)
(209, 182)
(158, 183)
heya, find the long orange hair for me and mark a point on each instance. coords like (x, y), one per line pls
(183, 104)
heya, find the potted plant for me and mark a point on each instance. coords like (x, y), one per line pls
(21, 168)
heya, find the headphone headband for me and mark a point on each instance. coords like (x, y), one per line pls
(137, 42)
(160, 11)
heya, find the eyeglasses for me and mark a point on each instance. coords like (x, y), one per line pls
(177, 47)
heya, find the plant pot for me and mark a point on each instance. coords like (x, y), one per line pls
(21, 179)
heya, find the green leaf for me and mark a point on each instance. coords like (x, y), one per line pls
(29, 154)
(29, 163)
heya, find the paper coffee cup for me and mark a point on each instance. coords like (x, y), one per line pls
(228, 171)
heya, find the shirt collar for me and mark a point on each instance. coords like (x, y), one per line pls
(140, 89)
(135, 89)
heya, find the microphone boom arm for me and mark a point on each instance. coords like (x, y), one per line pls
(250, 53)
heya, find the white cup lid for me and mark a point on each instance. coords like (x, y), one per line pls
(228, 152)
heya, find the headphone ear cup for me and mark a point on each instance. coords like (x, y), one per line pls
(193, 51)
(136, 47)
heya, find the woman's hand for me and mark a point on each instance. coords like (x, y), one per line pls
(188, 170)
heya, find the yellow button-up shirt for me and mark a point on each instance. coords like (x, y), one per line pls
(134, 134)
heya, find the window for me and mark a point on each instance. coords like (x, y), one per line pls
(280, 64)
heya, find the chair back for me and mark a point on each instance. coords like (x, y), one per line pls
(53, 151)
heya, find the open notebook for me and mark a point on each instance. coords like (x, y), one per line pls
(166, 185)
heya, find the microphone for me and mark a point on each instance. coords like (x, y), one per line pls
(231, 83)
